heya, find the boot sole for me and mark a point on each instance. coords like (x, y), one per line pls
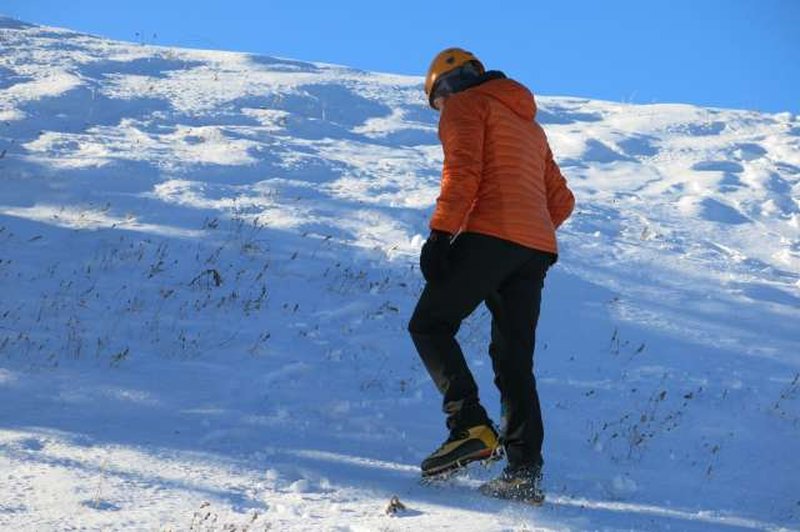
(533, 501)
(487, 456)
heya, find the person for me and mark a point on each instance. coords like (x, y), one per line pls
(492, 240)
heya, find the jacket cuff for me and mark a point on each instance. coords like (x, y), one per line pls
(438, 224)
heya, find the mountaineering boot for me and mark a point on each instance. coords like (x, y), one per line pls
(518, 483)
(464, 445)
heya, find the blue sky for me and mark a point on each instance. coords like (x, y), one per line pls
(721, 53)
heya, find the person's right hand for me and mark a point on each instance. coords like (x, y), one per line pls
(433, 258)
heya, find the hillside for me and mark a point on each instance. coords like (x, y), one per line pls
(208, 260)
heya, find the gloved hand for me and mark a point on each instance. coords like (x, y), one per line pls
(433, 258)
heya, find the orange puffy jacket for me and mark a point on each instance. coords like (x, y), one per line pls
(499, 176)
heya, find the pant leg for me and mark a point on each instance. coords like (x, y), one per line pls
(515, 313)
(478, 266)
(496, 348)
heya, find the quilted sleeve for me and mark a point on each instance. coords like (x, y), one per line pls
(560, 200)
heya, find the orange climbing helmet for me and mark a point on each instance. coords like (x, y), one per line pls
(447, 61)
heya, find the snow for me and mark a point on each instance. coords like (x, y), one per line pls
(208, 260)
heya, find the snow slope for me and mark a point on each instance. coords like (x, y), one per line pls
(208, 259)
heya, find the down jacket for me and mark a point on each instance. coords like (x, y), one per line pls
(499, 176)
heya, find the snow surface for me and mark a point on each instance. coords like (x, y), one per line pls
(208, 260)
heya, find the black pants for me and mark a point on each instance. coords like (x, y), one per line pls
(509, 279)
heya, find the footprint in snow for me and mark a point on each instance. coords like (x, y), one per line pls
(100, 505)
(749, 151)
(715, 211)
(718, 166)
(31, 444)
(598, 152)
(638, 146)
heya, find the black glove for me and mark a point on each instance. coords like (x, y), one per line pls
(433, 259)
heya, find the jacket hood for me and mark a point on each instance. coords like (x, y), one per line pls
(510, 93)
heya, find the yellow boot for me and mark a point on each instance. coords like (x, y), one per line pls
(479, 442)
